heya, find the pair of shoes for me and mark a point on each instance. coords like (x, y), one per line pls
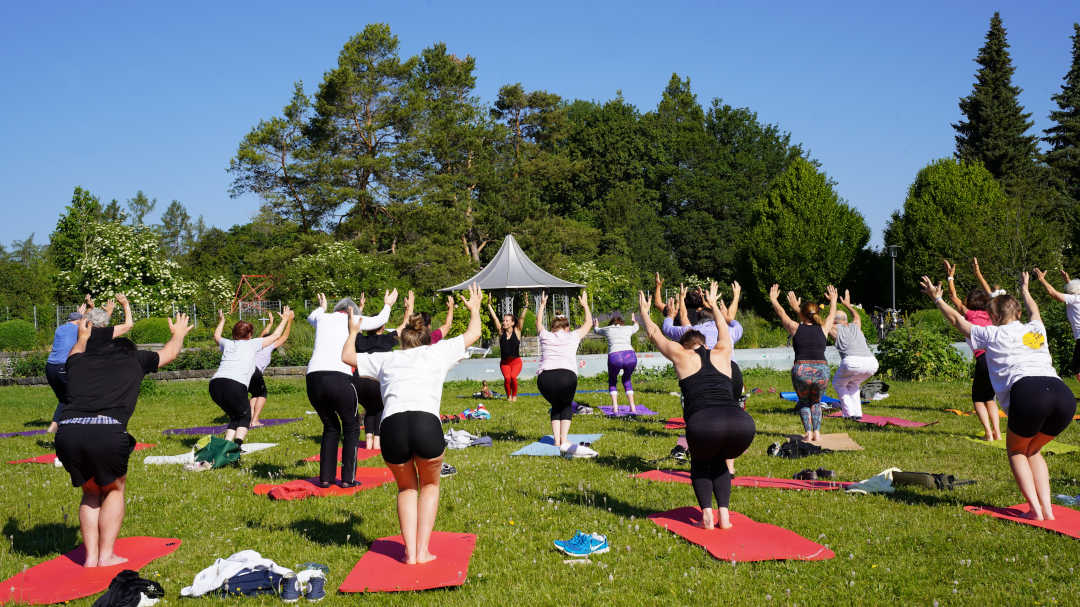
(678, 453)
(578, 452)
(825, 474)
(583, 544)
(806, 475)
(447, 470)
(349, 484)
(313, 591)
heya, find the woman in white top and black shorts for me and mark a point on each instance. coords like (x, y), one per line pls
(1039, 404)
(557, 380)
(411, 381)
(330, 384)
(229, 384)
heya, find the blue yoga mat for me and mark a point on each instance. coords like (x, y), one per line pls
(579, 392)
(546, 446)
(795, 398)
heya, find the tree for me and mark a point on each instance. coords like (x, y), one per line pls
(1064, 135)
(994, 127)
(140, 206)
(175, 229)
(804, 236)
(67, 243)
(338, 269)
(26, 252)
(113, 213)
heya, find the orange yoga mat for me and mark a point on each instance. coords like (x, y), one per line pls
(65, 579)
(747, 540)
(382, 568)
(1066, 520)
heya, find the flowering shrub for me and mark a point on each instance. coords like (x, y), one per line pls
(218, 291)
(912, 353)
(608, 290)
(338, 269)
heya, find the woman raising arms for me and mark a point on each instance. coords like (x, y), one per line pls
(509, 328)
(558, 378)
(810, 374)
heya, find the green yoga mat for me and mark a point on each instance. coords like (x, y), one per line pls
(1051, 447)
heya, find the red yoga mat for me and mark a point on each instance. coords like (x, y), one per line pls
(382, 568)
(49, 458)
(746, 541)
(675, 423)
(682, 476)
(65, 579)
(361, 454)
(1066, 520)
(306, 487)
(878, 420)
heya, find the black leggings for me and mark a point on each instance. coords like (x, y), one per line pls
(333, 396)
(716, 434)
(370, 396)
(56, 375)
(558, 386)
(411, 434)
(1040, 405)
(232, 397)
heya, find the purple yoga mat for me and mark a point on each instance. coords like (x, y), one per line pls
(222, 427)
(23, 433)
(624, 411)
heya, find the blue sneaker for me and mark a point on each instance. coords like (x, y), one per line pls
(575, 546)
(597, 543)
(290, 589)
(315, 590)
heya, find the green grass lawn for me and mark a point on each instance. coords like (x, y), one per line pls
(912, 547)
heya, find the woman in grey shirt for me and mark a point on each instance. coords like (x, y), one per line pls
(857, 362)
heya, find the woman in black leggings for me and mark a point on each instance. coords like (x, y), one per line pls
(717, 429)
(557, 380)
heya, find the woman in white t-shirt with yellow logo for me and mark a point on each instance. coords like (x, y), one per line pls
(1039, 404)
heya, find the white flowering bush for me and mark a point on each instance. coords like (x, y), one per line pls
(338, 269)
(218, 291)
(608, 289)
(125, 259)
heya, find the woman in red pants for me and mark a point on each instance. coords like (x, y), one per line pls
(510, 348)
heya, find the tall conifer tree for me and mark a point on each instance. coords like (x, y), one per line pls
(994, 128)
(1064, 136)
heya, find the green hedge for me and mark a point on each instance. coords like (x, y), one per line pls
(31, 365)
(919, 353)
(151, 331)
(17, 335)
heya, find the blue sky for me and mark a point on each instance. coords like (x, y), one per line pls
(118, 97)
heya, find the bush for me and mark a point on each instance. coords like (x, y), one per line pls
(290, 356)
(193, 360)
(933, 320)
(593, 346)
(31, 365)
(760, 333)
(151, 331)
(17, 335)
(1058, 334)
(912, 353)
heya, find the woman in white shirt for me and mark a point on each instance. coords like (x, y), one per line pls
(411, 381)
(330, 386)
(1039, 404)
(621, 356)
(557, 380)
(229, 385)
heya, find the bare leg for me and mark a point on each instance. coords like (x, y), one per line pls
(53, 427)
(89, 515)
(630, 397)
(369, 440)
(375, 444)
(614, 398)
(1021, 468)
(241, 433)
(707, 519)
(429, 470)
(405, 475)
(112, 516)
(1041, 473)
(257, 405)
(730, 466)
(564, 429)
(995, 419)
(230, 434)
(556, 432)
(984, 418)
(725, 519)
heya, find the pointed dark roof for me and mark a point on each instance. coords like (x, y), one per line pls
(512, 269)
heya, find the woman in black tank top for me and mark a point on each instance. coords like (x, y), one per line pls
(717, 429)
(509, 327)
(810, 373)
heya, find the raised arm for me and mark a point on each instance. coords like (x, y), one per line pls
(521, 318)
(445, 328)
(220, 326)
(586, 326)
(179, 328)
(474, 330)
(774, 298)
(370, 323)
(286, 313)
(320, 309)
(950, 276)
(935, 293)
(85, 328)
(736, 295)
(129, 320)
(719, 310)
(269, 325)
(288, 329)
(540, 308)
(684, 316)
(494, 317)
(856, 318)
(1029, 301)
(830, 320)
(410, 302)
(658, 296)
(1058, 295)
(978, 275)
(670, 349)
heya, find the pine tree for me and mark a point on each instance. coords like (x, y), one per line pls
(995, 125)
(1064, 136)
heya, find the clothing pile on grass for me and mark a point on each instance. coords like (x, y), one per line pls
(209, 453)
(887, 480)
(460, 439)
(479, 412)
(247, 573)
(127, 589)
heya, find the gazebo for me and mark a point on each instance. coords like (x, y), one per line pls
(512, 271)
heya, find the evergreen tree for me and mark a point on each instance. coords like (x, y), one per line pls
(174, 228)
(67, 243)
(140, 206)
(1064, 136)
(994, 128)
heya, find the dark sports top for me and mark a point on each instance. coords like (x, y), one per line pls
(105, 380)
(809, 343)
(509, 347)
(381, 342)
(706, 388)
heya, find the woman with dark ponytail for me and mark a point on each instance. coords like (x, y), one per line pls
(510, 348)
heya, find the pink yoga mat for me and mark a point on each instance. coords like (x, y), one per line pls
(746, 541)
(880, 421)
(675, 423)
(1066, 520)
(382, 568)
(764, 482)
(303, 488)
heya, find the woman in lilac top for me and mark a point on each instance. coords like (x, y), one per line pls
(557, 380)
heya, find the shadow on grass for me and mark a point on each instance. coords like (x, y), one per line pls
(951, 498)
(510, 435)
(45, 443)
(266, 470)
(42, 540)
(323, 532)
(603, 501)
(627, 463)
(36, 423)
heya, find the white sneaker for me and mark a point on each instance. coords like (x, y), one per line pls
(579, 451)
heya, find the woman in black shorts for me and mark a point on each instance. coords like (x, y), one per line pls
(368, 393)
(717, 428)
(1039, 404)
(411, 381)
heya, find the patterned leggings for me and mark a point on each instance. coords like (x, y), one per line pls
(810, 378)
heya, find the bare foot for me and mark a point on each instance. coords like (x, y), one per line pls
(255, 424)
(1048, 513)
(707, 519)
(1033, 515)
(817, 437)
(988, 438)
(725, 519)
(808, 437)
(111, 560)
(90, 562)
(427, 558)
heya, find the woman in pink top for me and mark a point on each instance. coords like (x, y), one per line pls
(557, 380)
(982, 392)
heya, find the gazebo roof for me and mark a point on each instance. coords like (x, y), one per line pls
(512, 269)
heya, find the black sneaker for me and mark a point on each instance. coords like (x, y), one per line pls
(825, 474)
(447, 470)
(806, 475)
(678, 453)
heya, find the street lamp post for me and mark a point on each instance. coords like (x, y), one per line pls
(892, 254)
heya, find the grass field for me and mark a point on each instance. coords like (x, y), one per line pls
(913, 547)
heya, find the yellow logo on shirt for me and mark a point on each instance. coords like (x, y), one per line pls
(1034, 340)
